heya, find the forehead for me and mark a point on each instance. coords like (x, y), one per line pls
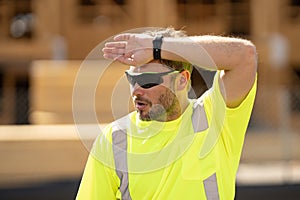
(150, 67)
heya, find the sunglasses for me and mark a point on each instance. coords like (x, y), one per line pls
(147, 80)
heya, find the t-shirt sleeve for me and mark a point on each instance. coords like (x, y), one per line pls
(99, 180)
(231, 123)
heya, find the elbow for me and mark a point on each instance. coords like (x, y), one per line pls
(250, 56)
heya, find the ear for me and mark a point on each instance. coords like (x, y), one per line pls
(183, 81)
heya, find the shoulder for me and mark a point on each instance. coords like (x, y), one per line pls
(213, 97)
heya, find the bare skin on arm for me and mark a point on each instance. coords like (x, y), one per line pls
(235, 57)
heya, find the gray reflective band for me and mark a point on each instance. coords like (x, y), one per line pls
(211, 188)
(119, 140)
(199, 119)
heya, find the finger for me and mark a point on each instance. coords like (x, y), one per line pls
(122, 37)
(110, 56)
(116, 44)
(113, 51)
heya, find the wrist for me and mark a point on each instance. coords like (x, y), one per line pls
(157, 43)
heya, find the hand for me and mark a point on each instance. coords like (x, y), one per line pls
(130, 49)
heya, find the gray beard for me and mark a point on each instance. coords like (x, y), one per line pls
(167, 109)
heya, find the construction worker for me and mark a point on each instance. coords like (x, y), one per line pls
(173, 147)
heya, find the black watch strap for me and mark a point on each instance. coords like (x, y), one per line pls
(157, 42)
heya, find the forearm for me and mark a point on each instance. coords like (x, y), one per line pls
(210, 52)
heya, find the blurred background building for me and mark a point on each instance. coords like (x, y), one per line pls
(43, 43)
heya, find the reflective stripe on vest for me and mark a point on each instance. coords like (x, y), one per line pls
(211, 188)
(119, 140)
(199, 119)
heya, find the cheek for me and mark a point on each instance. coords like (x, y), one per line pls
(154, 94)
(166, 97)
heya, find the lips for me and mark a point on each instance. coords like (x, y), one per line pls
(140, 105)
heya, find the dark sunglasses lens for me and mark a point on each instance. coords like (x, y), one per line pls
(149, 80)
(149, 85)
(145, 80)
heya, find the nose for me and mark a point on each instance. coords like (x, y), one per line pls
(137, 90)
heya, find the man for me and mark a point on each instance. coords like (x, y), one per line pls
(173, 147)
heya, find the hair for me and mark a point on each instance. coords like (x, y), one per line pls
(171, 32)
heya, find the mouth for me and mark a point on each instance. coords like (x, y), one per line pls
(140, 105)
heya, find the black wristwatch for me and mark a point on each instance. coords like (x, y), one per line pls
(157, 42)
